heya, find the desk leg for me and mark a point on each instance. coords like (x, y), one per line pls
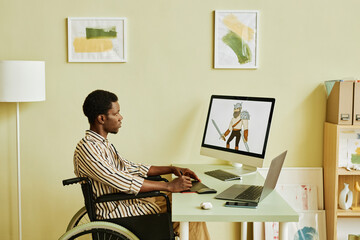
(184, 230)
(243, 230)
(283, 230)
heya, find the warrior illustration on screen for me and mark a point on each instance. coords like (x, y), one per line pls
(238, 127)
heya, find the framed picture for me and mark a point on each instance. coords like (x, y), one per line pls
(236, 39)
(97, 40)
(311, 225)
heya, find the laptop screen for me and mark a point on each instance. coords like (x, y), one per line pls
(273, 175)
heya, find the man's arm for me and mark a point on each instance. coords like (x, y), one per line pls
(223, 137)
(246, 131)
(160, 170)
(92, 163)
(182, 183)
(177, 185)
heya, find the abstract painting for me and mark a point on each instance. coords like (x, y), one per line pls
(311, 226)
(301, 197)
(349, 149)
(97, 40)
(354, 150)
(236, 39)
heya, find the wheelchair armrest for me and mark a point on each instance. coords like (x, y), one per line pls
(74, 180)
(80, 179)
(125, 196)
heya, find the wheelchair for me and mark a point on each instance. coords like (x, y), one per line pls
(145, 227)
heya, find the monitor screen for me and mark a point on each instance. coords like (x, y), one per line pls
(237, 129)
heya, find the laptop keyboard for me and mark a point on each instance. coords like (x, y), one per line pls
(223, 175)
(251, 193)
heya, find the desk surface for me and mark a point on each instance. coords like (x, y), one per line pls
(186, 206)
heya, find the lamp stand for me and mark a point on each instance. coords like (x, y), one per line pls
(21, 81)
(18, 166)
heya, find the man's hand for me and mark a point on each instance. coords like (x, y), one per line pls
(179, 184)
(185, 172)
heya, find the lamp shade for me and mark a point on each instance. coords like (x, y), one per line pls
(22, 81)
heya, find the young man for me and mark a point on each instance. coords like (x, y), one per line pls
(109, 172)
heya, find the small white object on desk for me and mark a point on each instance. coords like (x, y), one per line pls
(206, 205)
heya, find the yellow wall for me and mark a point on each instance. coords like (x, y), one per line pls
(163, 89)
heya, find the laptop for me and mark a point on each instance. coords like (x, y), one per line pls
(253, 193)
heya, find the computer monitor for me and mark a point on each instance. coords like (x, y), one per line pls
(237, 130)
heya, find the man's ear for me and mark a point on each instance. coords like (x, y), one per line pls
(101, 118)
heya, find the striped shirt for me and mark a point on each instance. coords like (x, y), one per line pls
(98, 160)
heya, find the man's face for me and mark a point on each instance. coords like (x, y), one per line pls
(113, 119)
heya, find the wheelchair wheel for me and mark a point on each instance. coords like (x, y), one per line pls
(99, 231)
(79, 218)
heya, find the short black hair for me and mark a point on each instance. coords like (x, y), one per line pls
(98, 102)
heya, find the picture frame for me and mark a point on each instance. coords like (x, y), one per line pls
(311, 225)
(97, 39)
(236, 39)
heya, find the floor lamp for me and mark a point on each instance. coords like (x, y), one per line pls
(21, 81)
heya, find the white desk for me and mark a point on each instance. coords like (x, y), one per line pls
(186, 206)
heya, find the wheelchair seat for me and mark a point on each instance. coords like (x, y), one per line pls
(145, 227)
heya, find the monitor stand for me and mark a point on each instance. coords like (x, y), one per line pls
(242, 170)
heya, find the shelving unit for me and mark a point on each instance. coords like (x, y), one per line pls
(335, 177)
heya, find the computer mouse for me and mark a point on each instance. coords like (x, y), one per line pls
(206, 205)
(206, 190)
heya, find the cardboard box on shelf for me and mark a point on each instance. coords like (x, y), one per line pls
(339, 107)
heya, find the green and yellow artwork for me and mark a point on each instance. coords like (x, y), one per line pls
(236, 39)
(96, 39)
